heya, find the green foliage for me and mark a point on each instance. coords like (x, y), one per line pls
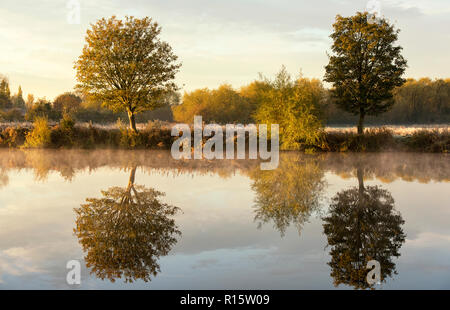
(295, 106)
(42, 108)
(17, 100)
(365, 66)
(5, 94)
(126, 66)
(40, 136)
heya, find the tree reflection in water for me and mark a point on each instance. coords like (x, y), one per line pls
(125, 232)
(362, 225)
(289, 194)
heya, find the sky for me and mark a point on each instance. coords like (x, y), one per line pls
(217, 41)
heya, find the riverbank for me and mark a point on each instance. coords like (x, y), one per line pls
(154, 136)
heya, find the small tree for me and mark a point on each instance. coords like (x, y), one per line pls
(5, 94)
(126, 66)
(365, 66)
(18, 101)
(295, 106)
(67, 103)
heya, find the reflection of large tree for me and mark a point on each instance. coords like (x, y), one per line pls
(362, 225)
(126, 231)
(288, 194)
(4, 179)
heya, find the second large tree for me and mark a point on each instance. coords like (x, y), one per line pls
(365, 65)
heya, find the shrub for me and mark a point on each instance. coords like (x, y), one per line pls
(12, 115)
(12, 137)
(372, 140)
(429, 141)
(67, 123)
(40, 136)
(63, 135)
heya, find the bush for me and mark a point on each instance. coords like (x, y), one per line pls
(40, 136)
(63, 135)
(372, 140)
(429, 141)
(13, 137)
(12, 115)
(67, 123)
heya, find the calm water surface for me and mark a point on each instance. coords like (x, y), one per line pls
(139, 219)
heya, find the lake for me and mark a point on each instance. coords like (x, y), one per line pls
(140, 219)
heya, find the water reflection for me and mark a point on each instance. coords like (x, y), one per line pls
(4, 179)
(289, 194)
(362, 225)
(387, 167)
(125, 232)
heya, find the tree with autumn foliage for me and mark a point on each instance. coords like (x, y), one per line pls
(365, 66)
(126, 66)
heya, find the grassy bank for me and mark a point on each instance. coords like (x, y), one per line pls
(67, 135)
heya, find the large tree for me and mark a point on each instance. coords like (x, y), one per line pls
(126, 65)
(365, 66)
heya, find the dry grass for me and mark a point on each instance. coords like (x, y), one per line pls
(157, 135)
(397, 130)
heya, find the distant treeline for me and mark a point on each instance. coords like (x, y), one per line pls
(416, 102)
(16, 108)
(422, 101)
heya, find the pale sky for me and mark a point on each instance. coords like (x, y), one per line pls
(217, 41)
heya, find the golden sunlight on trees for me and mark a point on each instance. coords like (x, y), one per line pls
(365, 66)
(125, 232)
(223, 105)
(362, 225)
(295, 106)
(126, 66)
(67, 103)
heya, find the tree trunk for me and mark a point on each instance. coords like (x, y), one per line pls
(361, 123)
(132, 176)
(360, 175)
(132, 118)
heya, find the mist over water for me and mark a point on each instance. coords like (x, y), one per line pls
(136, 216)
